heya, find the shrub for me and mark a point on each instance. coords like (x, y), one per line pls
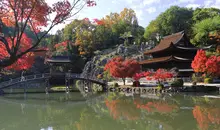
(208, 80)
(160, 87)
(136, 84)
(177, 83)
(197, 78)
(97, 88)
(115, 85)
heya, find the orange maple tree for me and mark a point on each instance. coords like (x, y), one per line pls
(36, 15)
(122, 68)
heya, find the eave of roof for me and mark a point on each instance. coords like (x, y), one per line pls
(164, 59)
(167, 42)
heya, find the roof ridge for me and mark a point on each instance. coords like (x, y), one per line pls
(171, 35)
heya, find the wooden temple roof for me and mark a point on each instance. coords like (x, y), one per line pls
(171, 41)
(164, 59)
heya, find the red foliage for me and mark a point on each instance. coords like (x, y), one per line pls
(121, 109)
(62, 46)
(140, 75)
(26, 61)
(91, 3)
(121, 68)
(213, 65)
(204, 64)
(62, 10)
(98, 22)
(161, 107)
(36, 14)
(160, 75)
(206, 116)
(198, 64)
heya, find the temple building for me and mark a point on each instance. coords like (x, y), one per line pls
(173, 51)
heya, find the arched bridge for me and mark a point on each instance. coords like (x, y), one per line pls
(22, 79)
(81, 77)
(7, 84)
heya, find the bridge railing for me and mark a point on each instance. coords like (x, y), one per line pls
(23, 79)
(72, 75)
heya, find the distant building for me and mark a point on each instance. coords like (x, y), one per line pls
(173, 51)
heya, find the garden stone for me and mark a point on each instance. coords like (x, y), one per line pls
(2, 92)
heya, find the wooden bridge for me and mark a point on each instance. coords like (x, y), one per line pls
(36, 77)
(22, 79)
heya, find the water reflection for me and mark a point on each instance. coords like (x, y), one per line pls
(108, 111)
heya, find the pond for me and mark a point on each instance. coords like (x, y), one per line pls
(108, 111)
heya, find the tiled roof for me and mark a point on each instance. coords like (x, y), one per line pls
(164, 59)
(167, 42)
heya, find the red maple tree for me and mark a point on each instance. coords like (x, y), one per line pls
(160, 75)
(198, 64)
(34, 14)
(204, 64)
(26, 60)
(62, 46)
(122, 68)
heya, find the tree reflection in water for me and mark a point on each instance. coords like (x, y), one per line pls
(122, 109)
(110, 111)
(207, 117)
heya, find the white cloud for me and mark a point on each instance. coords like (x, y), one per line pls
(149, 2)
(212, 3)
(151, 10)
(186, 1)
(217, 3)
(115, 2)
(194, 6)
(208, 3)
(139, 14)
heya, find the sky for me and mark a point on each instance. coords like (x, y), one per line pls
(146, 10)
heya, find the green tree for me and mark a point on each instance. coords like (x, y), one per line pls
(204, 13)
(151, 30)
(203, 29)
(173, 20)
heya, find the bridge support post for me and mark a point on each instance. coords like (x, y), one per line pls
(85, 86)
(104, 88)
(67, 85)
(74, 83)
(25, 88)
(47, 85)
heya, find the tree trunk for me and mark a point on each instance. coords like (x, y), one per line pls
(7, 62)
(123, 80)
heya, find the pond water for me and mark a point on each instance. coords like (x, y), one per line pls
(108, 111)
